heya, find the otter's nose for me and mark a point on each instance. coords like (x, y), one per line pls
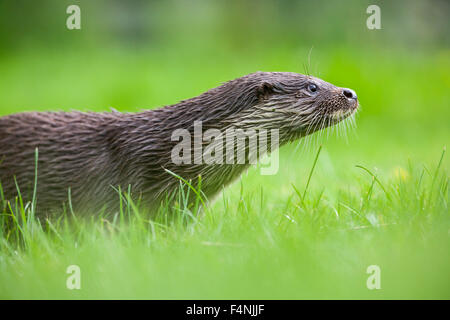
(349, 93)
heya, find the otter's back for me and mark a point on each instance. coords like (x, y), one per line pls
(73, 152)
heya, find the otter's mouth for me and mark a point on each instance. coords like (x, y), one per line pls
(347, 109)
(342, 114)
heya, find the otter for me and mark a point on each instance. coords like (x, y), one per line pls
(84, 157)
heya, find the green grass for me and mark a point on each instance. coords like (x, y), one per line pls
(311, 245)
(310, 231)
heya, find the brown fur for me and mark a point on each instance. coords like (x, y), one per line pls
(91, 153)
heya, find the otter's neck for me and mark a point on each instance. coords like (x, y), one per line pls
(152, 136)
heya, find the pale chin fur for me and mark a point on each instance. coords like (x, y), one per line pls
(341, 114)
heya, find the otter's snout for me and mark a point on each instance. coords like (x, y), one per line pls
(349, 93)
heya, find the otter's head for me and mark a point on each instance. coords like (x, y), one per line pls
(297, 104)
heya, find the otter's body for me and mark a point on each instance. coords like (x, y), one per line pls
(93, 153)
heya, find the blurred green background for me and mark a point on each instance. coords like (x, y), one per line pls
(133, 55)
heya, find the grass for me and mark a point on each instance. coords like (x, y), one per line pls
(310, 231)
(309, 246)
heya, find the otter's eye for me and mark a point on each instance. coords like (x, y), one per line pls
(312, 87)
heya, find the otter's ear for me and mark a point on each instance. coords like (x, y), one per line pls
(264, 90)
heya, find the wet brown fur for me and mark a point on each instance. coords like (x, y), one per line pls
(91, 153)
